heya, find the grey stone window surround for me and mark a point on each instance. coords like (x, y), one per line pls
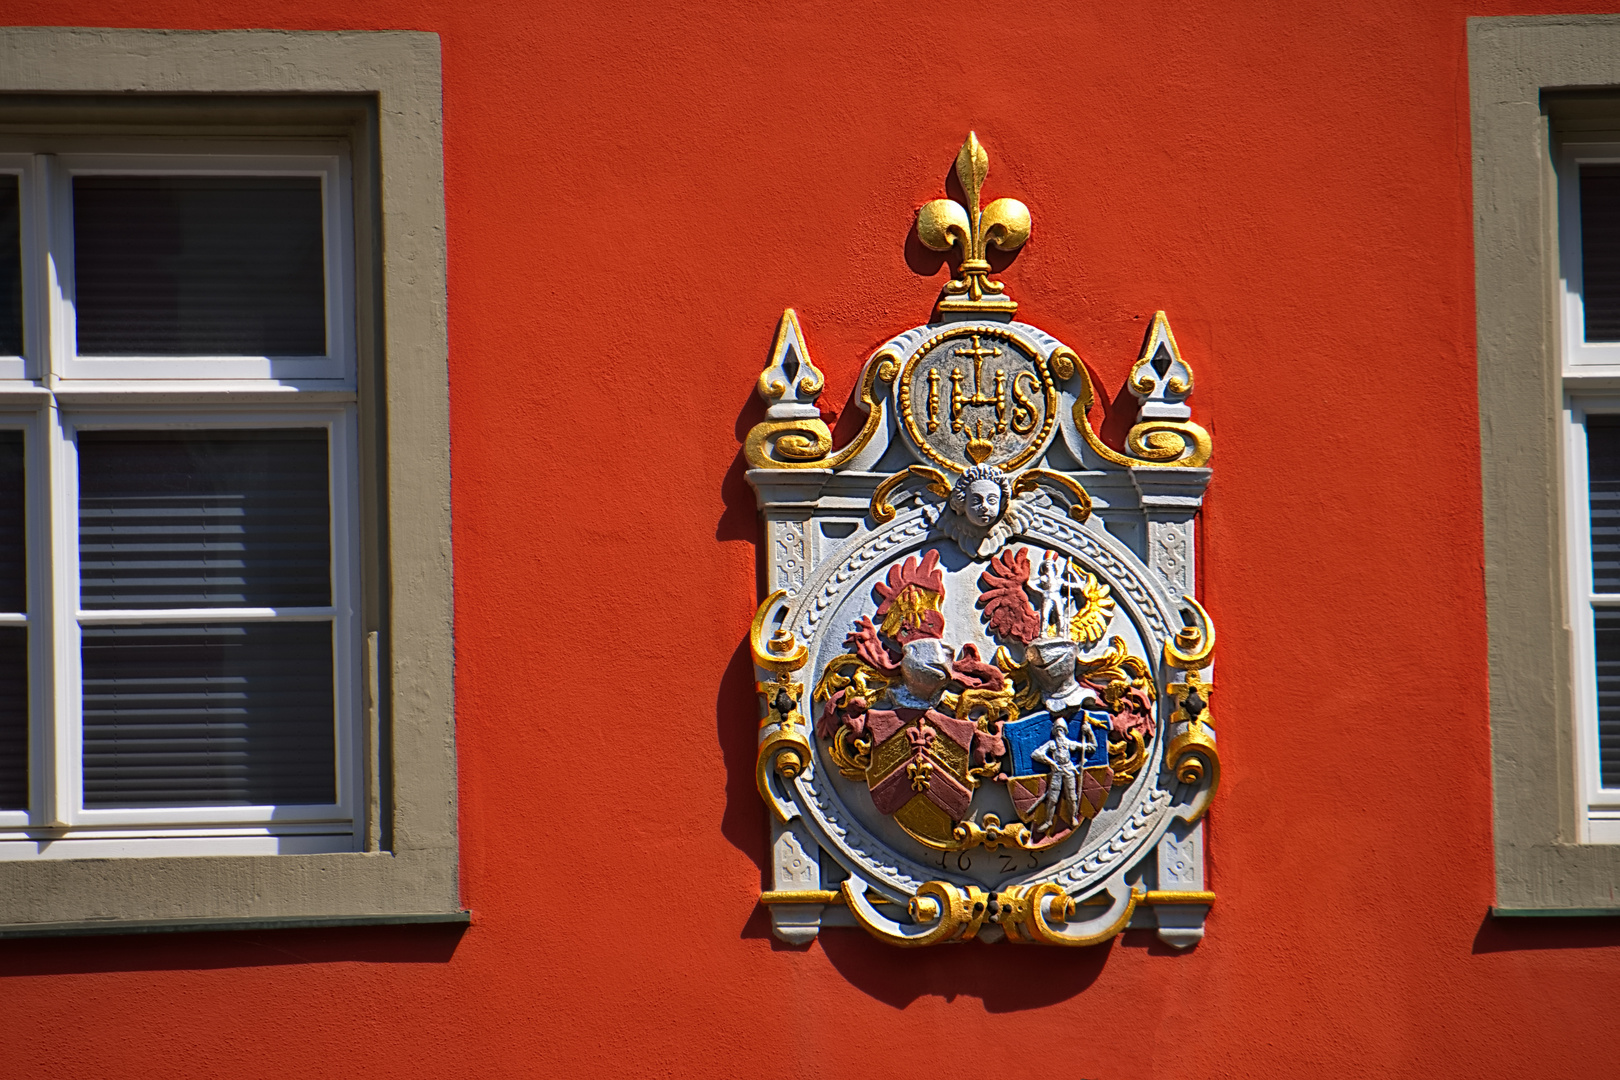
(381, 91)
(1527, 77)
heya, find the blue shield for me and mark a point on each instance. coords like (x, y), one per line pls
(1026, 735)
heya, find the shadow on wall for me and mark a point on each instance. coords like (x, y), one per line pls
(426, 944)
(736, 707)
(1005, 978)
(1553, 932)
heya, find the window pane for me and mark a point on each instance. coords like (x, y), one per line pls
(199, 266)
(1603, 483)
(1600, 251)
(13, 718)
(210, 715)
(203, 519)
(11, 324)
(1608, 691)
(13, 526)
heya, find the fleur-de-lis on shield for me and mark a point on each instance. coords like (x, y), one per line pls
(944, 223)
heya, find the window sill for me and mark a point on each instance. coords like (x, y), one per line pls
(43, 896)
(1539, 913)
(193, 926)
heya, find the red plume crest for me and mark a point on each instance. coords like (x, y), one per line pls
(925, 575)
(1006, 605)
(911, 598)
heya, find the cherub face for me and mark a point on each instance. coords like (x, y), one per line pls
(983, 503)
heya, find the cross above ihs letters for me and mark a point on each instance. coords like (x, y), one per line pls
(998, 399)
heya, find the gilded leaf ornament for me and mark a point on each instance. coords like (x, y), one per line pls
(944, 223)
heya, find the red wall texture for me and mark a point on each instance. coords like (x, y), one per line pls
(635, 193)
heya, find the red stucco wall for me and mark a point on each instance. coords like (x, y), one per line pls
(635, 194)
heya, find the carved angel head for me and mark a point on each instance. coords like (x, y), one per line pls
(981, 494)
(981, 513)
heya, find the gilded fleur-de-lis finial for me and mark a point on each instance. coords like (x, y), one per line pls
(945, 222)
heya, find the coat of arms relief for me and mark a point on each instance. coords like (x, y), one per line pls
(983, 665)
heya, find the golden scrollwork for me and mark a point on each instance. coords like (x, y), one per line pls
(882, 510)
(809, 436)
(849, 752)
(1162, 443)
(991, 834)
(1170, 442)
(1192, 754)
(1039, 913)
(852, 754)
(1028, 914)
(1026, 695)
(939, 912)
(782, 654)
(795, 442)
(785, 752)
(1082, 406)
(1079, 500)
(1193, 645)
(784, 748)
(945, 223)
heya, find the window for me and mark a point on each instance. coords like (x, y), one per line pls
(187, 663)
(1545, 113)
(1592, 466)
(225, 691)
(1589, 276)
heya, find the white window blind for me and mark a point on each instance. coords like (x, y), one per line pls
(11, 292)
(200, 710)
(198, 266)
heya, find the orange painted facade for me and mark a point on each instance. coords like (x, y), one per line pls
(634, 194)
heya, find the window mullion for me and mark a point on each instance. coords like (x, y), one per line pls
(60, 630)
(55, 223)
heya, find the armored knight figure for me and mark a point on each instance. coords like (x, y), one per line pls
(1057, 754)
(1048, 585)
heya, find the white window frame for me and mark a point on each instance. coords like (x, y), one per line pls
(380, 93)
(57, 174)
(24, 168)
(1599, 806)
(51, 394)
(1600, 358)
(1589, 374)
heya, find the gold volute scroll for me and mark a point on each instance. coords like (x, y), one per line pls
(1079, 500)
(1161, 443)
(781, 654)
(784, 750)
(945, 223)
(793, 435)
(882, 510)
(1192, 753)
